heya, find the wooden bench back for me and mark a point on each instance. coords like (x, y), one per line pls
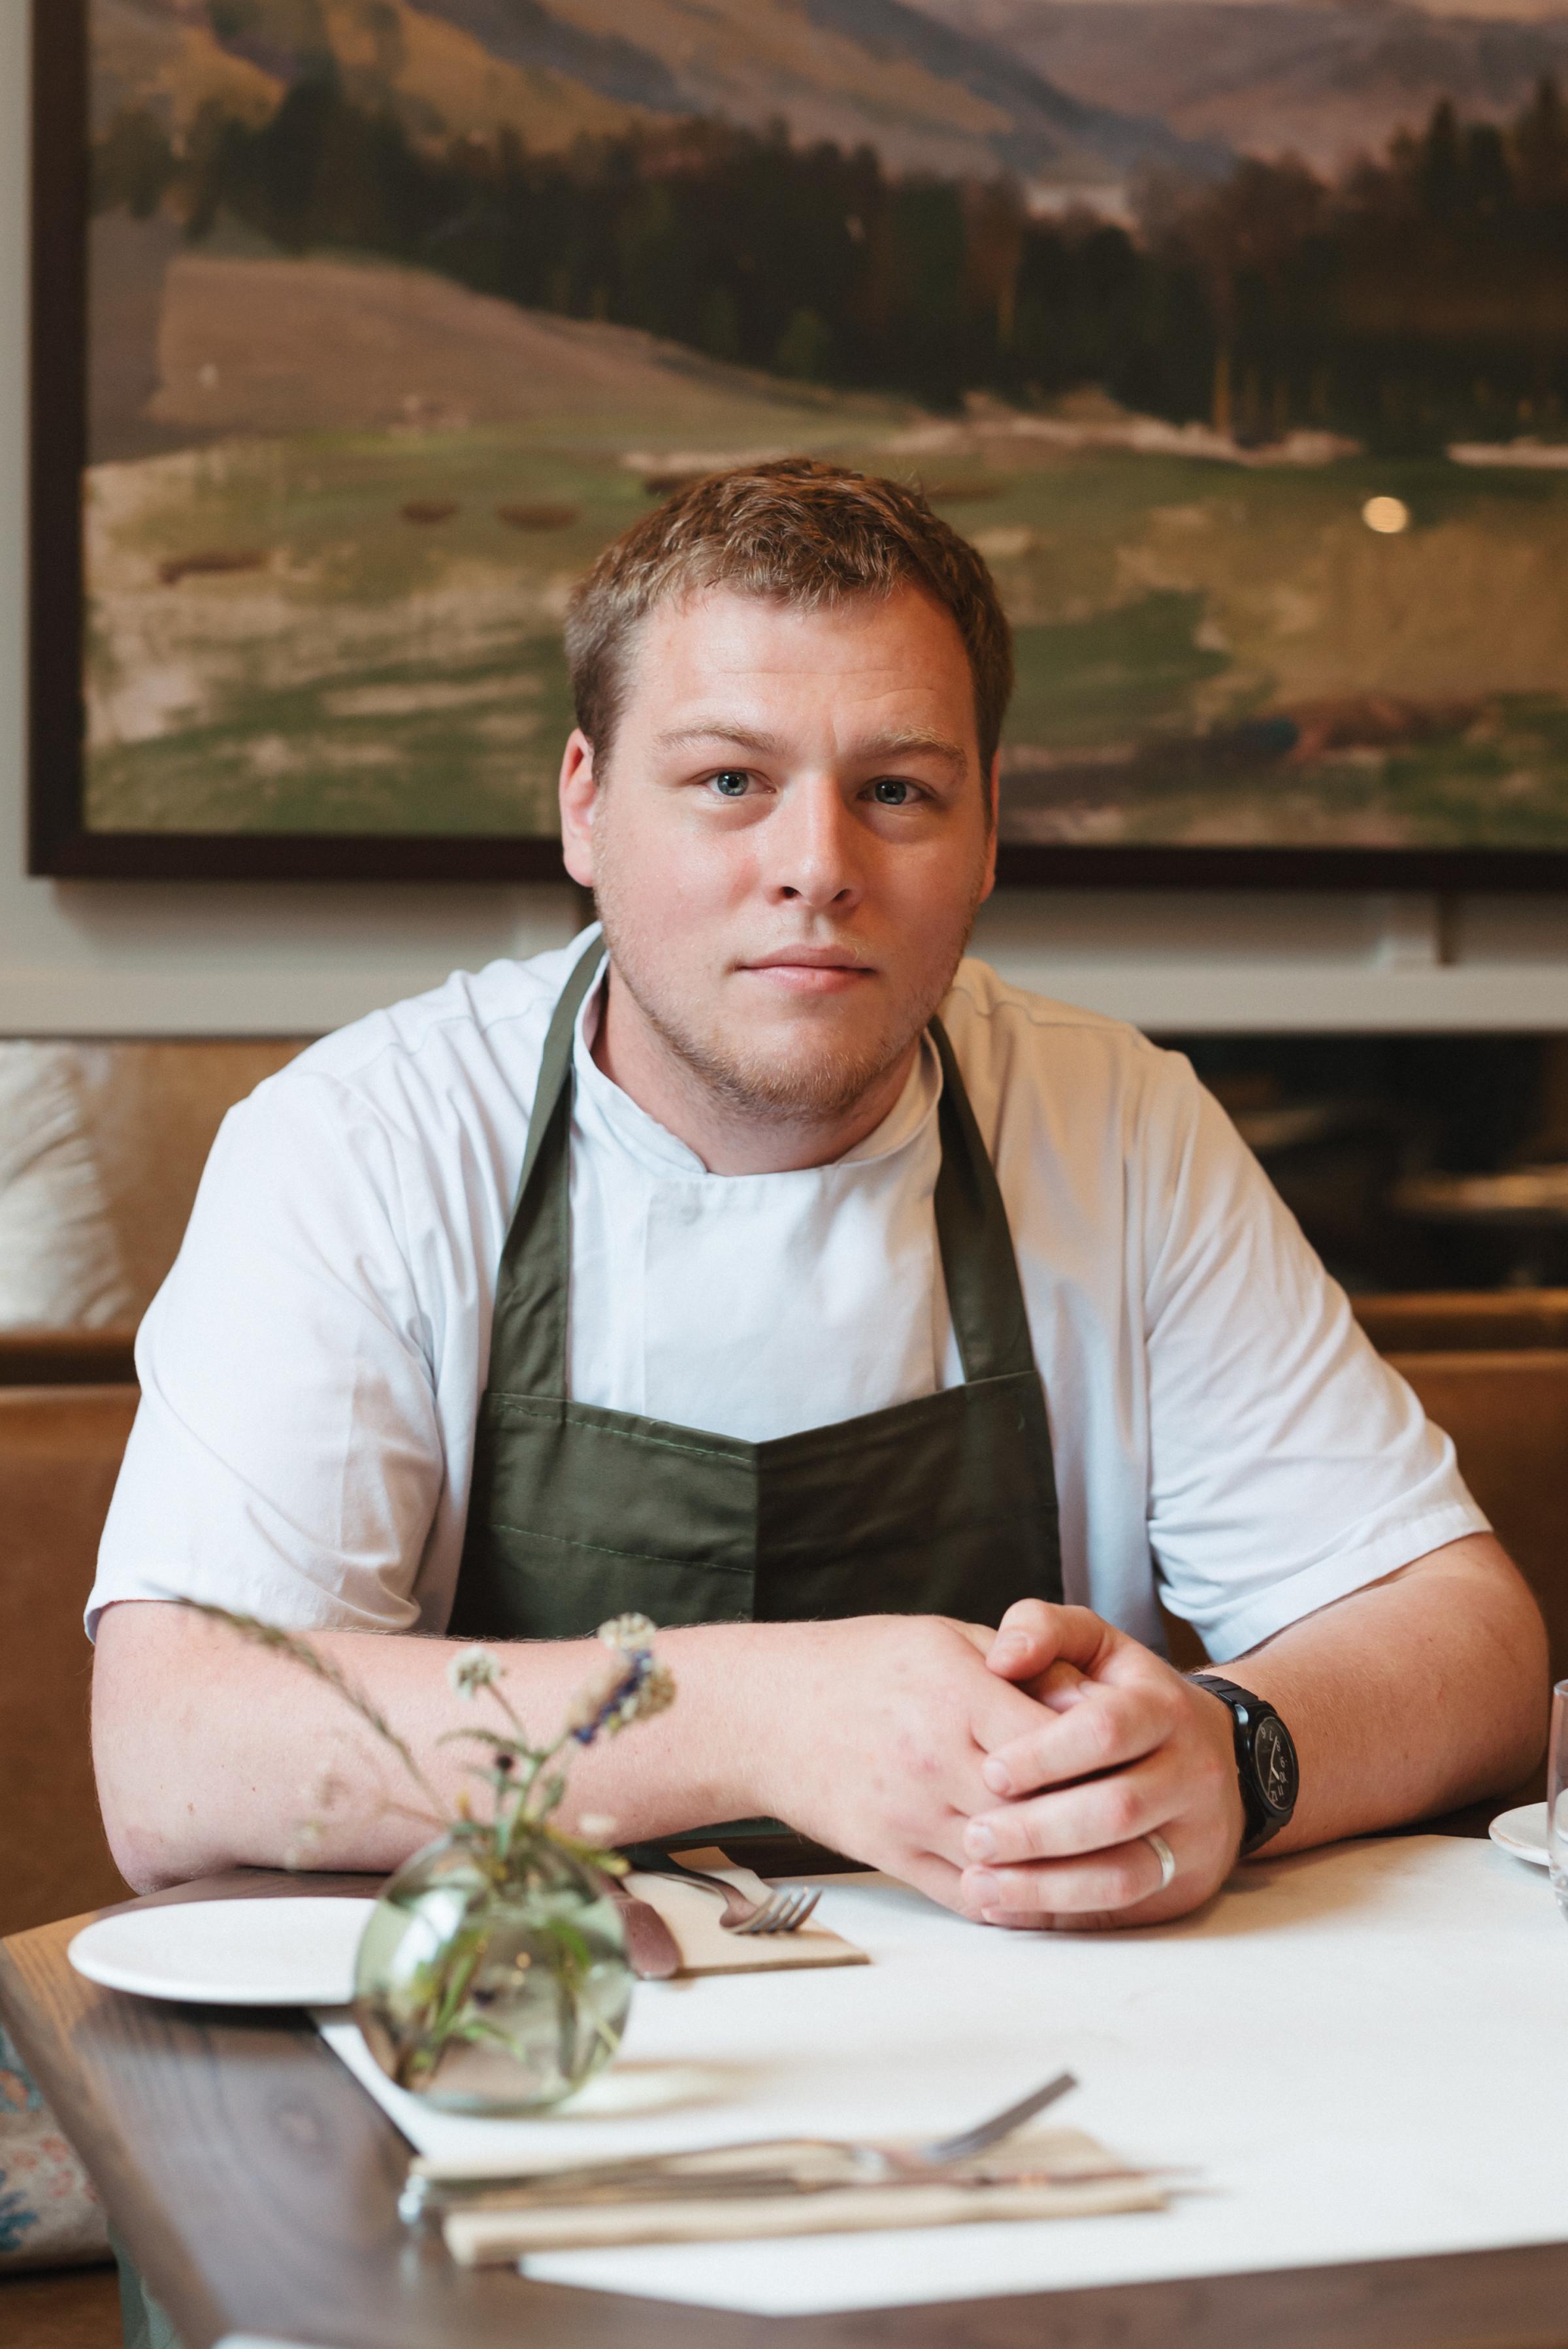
(59, 1452)
(1485, 1320)
(60, 1455)
(1508, 1416)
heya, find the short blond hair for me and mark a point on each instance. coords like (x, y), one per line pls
(794, 532)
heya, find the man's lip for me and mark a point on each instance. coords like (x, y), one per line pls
(806, 958)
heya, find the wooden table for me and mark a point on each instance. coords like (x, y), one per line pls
(256, 2184)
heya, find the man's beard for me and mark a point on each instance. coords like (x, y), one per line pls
(808, 1079)
(811, 1078)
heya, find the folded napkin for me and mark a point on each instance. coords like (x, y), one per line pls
(692, 1914)
(1048, 2174)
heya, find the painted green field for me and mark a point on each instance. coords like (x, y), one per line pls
(359, 631)
(338, 632)
(1215, 655)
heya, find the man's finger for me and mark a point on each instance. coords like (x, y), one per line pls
(1090, 1817)
(1033, 1635)
(1123, 1877)
(982, 1636)
(1109, 1728)
(1091, 1920)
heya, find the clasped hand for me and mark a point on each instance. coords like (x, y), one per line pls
(1011, 1776)
(1125, 1748)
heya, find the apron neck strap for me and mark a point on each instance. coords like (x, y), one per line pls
(534, 1286)
(555, 1067)
(985, 1295)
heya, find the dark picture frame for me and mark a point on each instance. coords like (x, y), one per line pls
(62, 844)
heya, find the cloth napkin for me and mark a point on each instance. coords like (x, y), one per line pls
(1046, 2174)
(692, 1914)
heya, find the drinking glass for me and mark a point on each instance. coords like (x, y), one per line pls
(1557, 1795)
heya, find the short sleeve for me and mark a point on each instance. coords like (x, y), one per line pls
(286, 1458)
(1289, 1464)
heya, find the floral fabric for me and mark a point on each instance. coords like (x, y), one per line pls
(50, 2216)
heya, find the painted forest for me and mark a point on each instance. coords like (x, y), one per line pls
(1421, 299)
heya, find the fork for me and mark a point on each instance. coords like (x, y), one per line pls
(784, 1911)
(648, 2176)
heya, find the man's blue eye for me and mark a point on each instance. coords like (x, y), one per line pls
(731, 783)
(891, 791)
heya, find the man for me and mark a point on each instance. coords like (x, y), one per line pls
(885, 1330)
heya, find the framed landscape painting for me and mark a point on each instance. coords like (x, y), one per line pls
(1233, 333)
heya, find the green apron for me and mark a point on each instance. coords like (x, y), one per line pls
(946, 1506)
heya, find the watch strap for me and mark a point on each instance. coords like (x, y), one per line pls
(1263, 1817)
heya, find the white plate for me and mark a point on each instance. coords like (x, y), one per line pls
(1523, 1833)
(229, 1953)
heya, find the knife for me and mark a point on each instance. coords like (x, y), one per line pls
(652, 1950)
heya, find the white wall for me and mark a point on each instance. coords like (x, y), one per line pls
(121, 958)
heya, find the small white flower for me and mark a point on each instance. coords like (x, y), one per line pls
(629, 1635)
(473, 1668)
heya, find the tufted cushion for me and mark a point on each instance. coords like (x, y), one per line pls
(49, 2215)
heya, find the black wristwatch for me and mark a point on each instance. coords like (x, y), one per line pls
(1267, 1765)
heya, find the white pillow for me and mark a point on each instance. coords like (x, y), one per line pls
(59, 1262)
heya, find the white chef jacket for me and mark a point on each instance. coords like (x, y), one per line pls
(312, 1367)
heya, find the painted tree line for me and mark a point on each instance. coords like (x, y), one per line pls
(1422, 298)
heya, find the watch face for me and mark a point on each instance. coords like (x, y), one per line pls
(1273, 1758)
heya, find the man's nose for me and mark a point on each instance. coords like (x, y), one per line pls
(812, 846)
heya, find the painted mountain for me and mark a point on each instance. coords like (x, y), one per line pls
(1233, 333)
(927, 96)
(1324, 79)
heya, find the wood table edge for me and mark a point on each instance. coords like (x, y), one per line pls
(1413, 2301)
(152, 2242)
(130, 2209)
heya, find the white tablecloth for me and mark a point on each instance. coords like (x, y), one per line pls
(1358, 2054)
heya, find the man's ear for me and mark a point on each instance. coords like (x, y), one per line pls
(993, 787)
(579, 803)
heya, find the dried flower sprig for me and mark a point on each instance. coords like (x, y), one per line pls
(299, 1650)
(634, 1687)
(526, 1789)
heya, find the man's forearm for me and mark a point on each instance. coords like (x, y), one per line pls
(868, 1735)
(1406, 1699)
(212, 1754)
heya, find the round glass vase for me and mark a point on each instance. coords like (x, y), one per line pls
(486, 1984)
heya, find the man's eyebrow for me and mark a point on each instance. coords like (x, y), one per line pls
(901, 744)
(719, 729)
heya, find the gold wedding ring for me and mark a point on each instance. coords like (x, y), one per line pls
(1165, 1856)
